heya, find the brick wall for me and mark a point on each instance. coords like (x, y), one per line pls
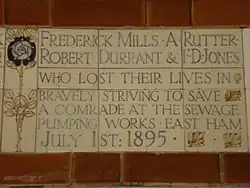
(125, 12)
(65, 168)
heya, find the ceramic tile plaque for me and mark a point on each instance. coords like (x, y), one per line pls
(91, 90)
(246, 46)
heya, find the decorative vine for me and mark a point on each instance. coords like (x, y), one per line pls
(21, 53)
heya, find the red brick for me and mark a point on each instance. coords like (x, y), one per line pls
(34, 168)
(97, 167)
(27, 12)
(1, 12)
(221, 12)
(98, 12)
(186, 167)
(169, 12)
(237, 168)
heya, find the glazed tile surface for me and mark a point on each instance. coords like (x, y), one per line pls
(90, 90)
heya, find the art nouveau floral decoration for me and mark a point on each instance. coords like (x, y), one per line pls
(21, 53)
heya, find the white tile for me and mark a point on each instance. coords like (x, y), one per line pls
(246, 49)
(68, 48)
(232, 140)
(19, 121)
(61, 78)
(140, 48)
(140, 79)
(247, 90)
(140, 123)
(2, 46)
(131, 61)
(222, 71)
(220, 120)
(21, 58)
(1, 77)
(13, 78)
(67, 120)
(212, 48)
(213, 78)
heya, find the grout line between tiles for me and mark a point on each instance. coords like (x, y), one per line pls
(221, 168)
(3, 90)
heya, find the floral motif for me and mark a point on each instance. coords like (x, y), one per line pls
(19, 106)
(233, 95)
(196, 139)
(232, 140)
(237, 78)
(21, 54)
(21, 49)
